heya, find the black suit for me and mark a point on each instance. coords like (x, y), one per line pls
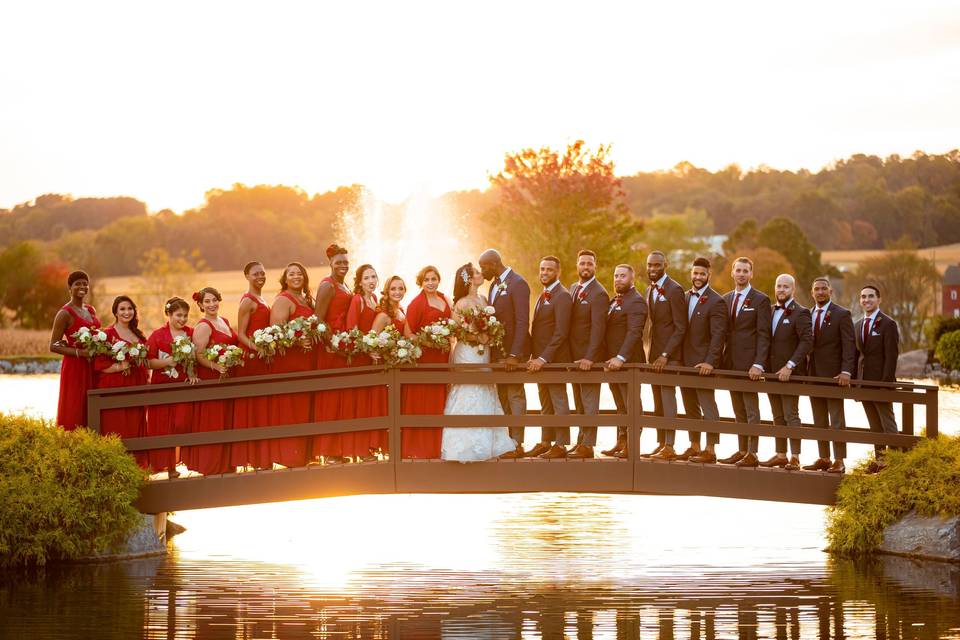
(748, 343)
(626, 318)
(703, 342)
(790, 342)
(878, 361)
(587, 329)
(834, 352)
(668, 325)
(550, 336)
(511, 300)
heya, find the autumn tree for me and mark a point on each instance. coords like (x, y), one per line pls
(552, 202)
(767, 265)
(162, 276)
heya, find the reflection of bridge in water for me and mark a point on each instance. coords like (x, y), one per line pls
(630, 475)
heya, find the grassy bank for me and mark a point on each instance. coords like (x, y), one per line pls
(25, 342)
(925, 479)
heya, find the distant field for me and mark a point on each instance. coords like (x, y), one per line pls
(944, 256)
(24, 342)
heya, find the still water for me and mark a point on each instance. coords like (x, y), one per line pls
(524, 566)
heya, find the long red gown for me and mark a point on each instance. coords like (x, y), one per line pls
(425, 399)
(337, 404)
(211, 415)
(76, 374)
(127, 422)
(253, 411)
(368, 402)
(292, 408)
(166, 419)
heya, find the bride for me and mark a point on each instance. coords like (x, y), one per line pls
(472, 444)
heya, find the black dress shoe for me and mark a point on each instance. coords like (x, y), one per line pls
(734, 459)
(822, 464)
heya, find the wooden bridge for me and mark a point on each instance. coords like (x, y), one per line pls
(631, 475)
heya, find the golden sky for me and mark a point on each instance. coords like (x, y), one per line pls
(165, 100)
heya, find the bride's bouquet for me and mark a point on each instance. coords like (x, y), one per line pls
(135, 354)
(479, 326)
(391, 347)
(183, 355)
(227, 355)
(437, 335)
(346, 343)
(93, 342)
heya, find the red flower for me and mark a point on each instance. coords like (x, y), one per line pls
(582, 295)
(703, 299)
(547, 295)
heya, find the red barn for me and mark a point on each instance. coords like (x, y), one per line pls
(951, 292)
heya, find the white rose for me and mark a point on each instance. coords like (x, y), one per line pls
(134, 353)
(186, 349)
(101, 336)
(489, 309)
(322, 328)
(222, 359)
(268, 339)
(121, 357)
(118, 345)
(402, 353)
(84, 330)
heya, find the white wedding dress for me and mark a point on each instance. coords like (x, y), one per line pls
(480, 443)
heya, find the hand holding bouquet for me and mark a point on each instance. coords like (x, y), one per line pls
(269, 341)
(94, 342)
(183, 356)
(400, 350)
(436, 335)
(479, 326)
(227, 356)
(135, 355)
(347, 343)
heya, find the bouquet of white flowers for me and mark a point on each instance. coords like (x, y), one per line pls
(270, 341)
(228, 355)
(304, 331)
(399, 349)
(183, 355)
(347, 343)
(436, 335)
(479, 326)
(135, 354)
(93, 342)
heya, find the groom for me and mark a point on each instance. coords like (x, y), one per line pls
(509, 295)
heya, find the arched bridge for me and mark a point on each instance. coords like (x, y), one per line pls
(633, 474)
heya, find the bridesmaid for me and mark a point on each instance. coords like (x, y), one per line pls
(333, 301)
(175, 418)
(210, 415)
(254, 314)
(76, 370)
(389, 312)
(293, 301)
(127, 422)
(426, 399)
(367, 401)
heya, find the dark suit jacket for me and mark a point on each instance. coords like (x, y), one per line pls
(624, 336)
(792, 339)
(513, 311)
(748, 338)
(588, 322)
(835, 348)
(878, 357)
(706, 330)
(668, 320)
(551, 327)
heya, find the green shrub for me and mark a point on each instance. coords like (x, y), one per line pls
(925, 479)
(948, 350)
(941, 325)
(63, 495)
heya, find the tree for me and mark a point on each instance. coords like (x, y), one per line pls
(767, 265)
(558, 203)
(162, 276)
(33, 284)
(787, 238)
(681, 236)
(909, 288)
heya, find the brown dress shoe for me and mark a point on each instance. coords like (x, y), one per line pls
(689, 453)
(705, 457)
(749, 460)
(837, 467)
(622, 454)
(667, 453)
(652, 453)
(793, 465)
(541, 447)
(555, 452)
(822, 464)
(734, 459)
(513, 455)
(581, 451)
(620, 446)
(779, 460)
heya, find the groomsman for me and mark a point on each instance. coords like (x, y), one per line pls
(748, 343)
(790, 341)
(703, 349)
(668, 324)
(587, 330)
(550, 335)
(626, 317)
(510, 296)
(878, 341)
(834, 355)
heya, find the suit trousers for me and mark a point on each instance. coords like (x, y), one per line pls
(786, 412)
(881, 419)
(700, 404)
(746, 407)
(513, 400)
(586, 398)
(665, 405)
(620, 391)
(553, 401)
(828, 414)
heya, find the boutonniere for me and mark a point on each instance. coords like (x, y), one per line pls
(826, 318)
(502, 288)
(703, 299)
(787, 311)
(582, 294)
(746, 304)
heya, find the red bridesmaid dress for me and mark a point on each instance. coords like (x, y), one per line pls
(211, 415)
(426, 399)
(368, 402)
(76, 374)
(166, 419)
(128, 422)
(253, 411)
(336, 404)
(291, 408)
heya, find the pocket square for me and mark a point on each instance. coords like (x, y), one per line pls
(786, 322)
(584, 302)
(874, 333)
(747, 309)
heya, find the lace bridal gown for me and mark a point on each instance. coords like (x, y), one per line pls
(480, 443)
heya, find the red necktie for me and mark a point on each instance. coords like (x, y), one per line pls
(866, 330)
(736, 303)
(816, 326)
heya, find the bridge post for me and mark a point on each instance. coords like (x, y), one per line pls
(635, 411)
(933, 425)
(93, 413)
(393, 411)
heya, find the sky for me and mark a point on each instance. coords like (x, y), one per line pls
(163, 101)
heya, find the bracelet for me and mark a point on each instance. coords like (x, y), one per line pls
(77, 352)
